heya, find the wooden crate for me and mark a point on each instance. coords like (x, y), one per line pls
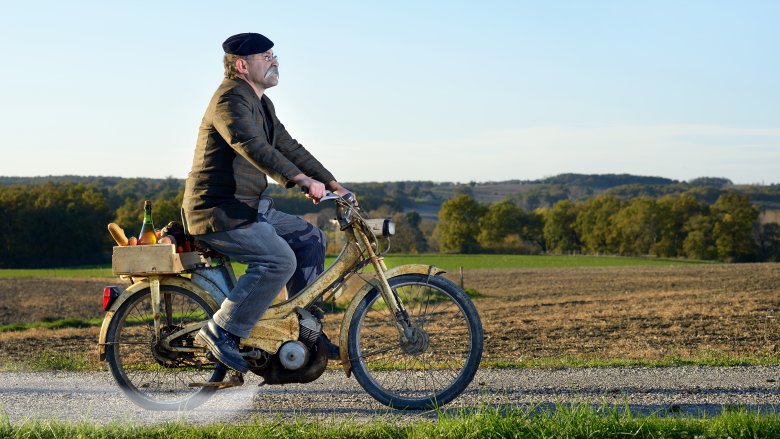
(147, 260)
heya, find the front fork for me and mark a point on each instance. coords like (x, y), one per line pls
(390, 297)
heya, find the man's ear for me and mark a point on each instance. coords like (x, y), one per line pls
(241, 66)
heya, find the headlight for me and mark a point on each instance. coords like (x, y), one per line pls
(381, 226)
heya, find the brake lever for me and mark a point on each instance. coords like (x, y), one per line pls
(328, 194)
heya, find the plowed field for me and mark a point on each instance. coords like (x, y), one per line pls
(617, 312)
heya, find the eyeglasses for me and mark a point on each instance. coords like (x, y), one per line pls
(269, 58)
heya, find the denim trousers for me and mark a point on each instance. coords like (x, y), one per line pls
(280, 250)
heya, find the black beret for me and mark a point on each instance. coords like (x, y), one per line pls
(246, 44)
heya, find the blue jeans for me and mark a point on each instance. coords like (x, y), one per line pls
(279, 250)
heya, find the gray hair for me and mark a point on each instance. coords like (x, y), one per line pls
(230, 65)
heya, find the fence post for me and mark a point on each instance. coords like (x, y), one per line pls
(461, 278)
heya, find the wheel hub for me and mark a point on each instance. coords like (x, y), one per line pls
(417, 344)
(165, 357)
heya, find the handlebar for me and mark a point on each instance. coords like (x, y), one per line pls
(349, 198)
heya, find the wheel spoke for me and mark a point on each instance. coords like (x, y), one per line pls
(379, 351)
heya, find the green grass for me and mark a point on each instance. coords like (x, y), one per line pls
(75, 272)
(47, 361)
(570, 421)
(712, 359)
(53, 324)
(452, 262)
(97, 321)
(449, 262)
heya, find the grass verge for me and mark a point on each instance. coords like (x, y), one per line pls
(49, 360)
(449, 262)
(53, 324)
(711, 359)
(79, 362)
(572, 421)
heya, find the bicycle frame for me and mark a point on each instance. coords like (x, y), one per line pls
(280, 322)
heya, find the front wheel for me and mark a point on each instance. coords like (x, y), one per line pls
(436, 364)
(152, 375)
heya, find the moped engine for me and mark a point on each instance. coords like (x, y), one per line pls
(310, 327)
(293, 355)
(302, 360)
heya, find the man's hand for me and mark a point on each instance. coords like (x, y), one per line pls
(312, 188)
(340, 190)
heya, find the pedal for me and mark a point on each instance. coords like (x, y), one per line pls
(236, 379)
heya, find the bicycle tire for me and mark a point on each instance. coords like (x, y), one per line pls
(141, 371)
(382, 378)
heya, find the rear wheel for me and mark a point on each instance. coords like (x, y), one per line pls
(152, 375)
(436, 364)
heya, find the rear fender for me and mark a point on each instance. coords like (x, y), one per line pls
(176, 281)
(372, 283)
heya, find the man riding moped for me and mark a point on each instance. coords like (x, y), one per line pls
(240, 143)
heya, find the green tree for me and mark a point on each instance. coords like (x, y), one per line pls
(735, 220)
(53, 225)
(636, 226)
(595, 226)
(459, 225)
(499, 221)
(559, 231)
(674, 211)
(698, 242)
(408, 236)
(770, 242)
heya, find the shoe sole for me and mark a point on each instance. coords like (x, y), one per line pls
(214, 351)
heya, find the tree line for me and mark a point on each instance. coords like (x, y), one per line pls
(62, 221)
(675, 226)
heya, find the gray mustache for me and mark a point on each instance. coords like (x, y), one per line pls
(271, 71)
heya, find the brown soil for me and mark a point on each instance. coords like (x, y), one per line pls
(31, 300)
(617, 312)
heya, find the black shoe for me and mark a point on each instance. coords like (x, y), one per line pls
(224, 346)
(334, 352)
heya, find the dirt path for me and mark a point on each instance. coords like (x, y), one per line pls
(666, 391)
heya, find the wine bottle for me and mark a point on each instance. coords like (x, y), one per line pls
(147, 235)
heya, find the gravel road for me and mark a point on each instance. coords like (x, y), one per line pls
(670, 391)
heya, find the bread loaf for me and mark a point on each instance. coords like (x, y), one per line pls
(117, 233)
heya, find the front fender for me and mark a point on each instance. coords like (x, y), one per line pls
(372, 283)
(176, 281)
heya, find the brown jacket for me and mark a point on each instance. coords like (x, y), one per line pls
(235, 151)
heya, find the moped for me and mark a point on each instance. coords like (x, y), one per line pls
(410, 337)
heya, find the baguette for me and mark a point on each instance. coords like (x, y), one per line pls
(117, 233)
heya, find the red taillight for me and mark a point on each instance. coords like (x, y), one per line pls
(109, 295)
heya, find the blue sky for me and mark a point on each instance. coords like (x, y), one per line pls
(404, 90)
